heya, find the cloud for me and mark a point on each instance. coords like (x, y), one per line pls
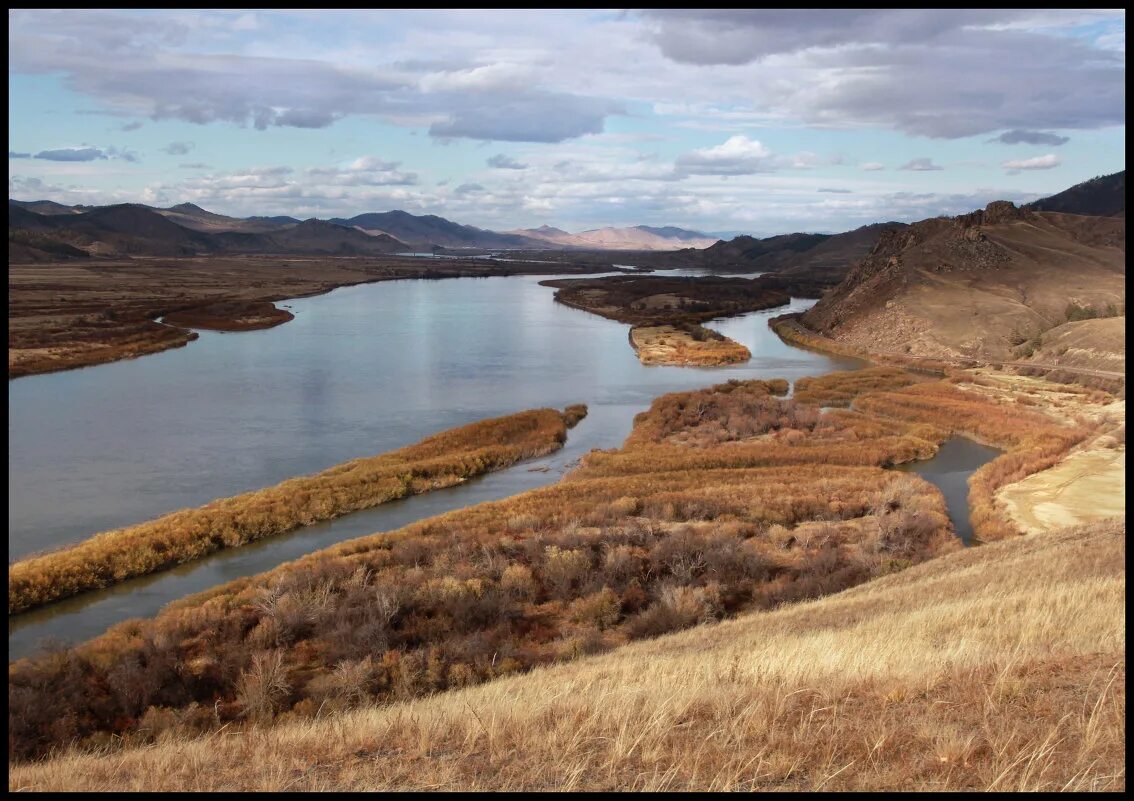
(364, 171)
(132, 126)
(72, 154)
(193, 166)
(165, 67)
(1007, 69)
(1050, 161)
(86, 153)
(532, 117)
(738, 155)
(372, 164)
(502, 162)
(178, 148)
(469, 188)
(1017, 136)
(14, 155)
(920, 165)
(835, 191)
(873, 166)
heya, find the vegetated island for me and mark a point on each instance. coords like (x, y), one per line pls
(439, 461)
(666, 312)
(230, 315)
(721, 501)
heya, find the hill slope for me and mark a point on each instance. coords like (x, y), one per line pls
(994, 668)
(423, 231)
(1102, 196)
(981, 285)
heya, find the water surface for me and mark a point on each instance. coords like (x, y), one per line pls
(359, 371)
(949, 470)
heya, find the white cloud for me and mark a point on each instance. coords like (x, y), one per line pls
(738, 155)
(873, 166)
(1050, 161)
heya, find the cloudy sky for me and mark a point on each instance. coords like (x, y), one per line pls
(757, 121)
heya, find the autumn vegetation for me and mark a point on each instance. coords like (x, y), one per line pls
(686, 345)
(722, 502)
(993, 668)
(173, 539)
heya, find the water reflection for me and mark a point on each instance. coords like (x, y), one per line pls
(359, 371)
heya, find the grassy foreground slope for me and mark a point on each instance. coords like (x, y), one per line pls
(994, 668)
(439, 461)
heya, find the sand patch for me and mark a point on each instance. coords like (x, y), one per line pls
(1087, 486)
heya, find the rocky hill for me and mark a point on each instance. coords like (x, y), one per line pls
(981, 285)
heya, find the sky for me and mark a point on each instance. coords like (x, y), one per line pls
(722, 121)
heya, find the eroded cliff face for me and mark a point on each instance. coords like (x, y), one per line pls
(976, 285)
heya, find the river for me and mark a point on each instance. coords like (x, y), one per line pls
(359, 371)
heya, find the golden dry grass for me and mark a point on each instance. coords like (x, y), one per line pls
(994, 668)
(667, 344)
(437, 461)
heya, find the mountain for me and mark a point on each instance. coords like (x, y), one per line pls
(422, 232)
(1103, 196)
(45, 207)
(193, 217)
(138, 230)
(320, 236)
(991, 284)
(638, 237)
(122, 229)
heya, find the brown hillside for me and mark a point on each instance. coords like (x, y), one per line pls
(982, 285)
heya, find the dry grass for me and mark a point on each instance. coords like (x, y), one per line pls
(549, 575)
(995, 668)
(689, 345)
(721, 501)
(839, 389)
(437, 461)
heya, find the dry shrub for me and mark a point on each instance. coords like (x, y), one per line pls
(437, 461)
(264, 686)
(717, 527)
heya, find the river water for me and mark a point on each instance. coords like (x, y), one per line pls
(359, 371)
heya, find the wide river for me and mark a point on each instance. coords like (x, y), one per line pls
(359, 371)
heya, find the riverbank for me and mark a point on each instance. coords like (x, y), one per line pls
(69, 315)
(174, 539)
(1055, 476)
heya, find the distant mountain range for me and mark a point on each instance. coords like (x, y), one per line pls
(43, 230)
(639, 237)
